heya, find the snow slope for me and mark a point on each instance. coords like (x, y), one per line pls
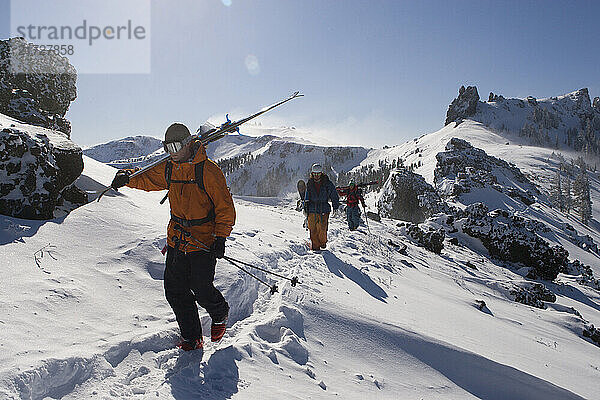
(89, 320)
(539, 164)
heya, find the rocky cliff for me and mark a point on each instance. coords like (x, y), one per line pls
(38, 161)
(36, 87)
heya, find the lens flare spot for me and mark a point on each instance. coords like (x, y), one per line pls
(226, 3)
(252, 64)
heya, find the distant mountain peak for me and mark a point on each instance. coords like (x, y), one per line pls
(571, 120)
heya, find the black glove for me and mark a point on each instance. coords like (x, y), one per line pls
(121, 179)
(218, 247)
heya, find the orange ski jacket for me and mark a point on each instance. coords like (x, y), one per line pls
(189, 202)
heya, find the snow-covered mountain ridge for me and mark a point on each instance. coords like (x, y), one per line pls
(452, 307)
(122, 149)
(570, 121)
(414, 323)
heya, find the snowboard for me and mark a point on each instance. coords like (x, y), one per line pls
(301, 189)
(301, 185)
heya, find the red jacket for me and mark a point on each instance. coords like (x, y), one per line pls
(353, 197)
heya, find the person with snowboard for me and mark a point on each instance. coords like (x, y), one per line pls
(202, 216)
(353, 196)
(319, 191)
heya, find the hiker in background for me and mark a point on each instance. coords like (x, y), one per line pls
(202, 216)
(319, 192)
(353, 196)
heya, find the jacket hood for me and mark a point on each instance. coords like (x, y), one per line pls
(199, 152)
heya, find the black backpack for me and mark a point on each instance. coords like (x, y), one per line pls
(198, 180)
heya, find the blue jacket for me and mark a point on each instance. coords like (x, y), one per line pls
(317, 202)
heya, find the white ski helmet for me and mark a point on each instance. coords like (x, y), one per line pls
(316, 169)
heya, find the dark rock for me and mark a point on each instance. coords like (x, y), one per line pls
(596, 104)
(406, 196)
(514, 239)
(532, 100)
(37, 168)
(532, 294)
(36, 87)
(430, 239)
(70, 164)
(470, 265)
(373, 216)
(495, 98)
(480, 304)
(464, 106)
(400, 247)
(454, 241)
(592, 333)
(463, 167)
(74, 195)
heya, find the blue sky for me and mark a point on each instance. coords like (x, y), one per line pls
(373, 72)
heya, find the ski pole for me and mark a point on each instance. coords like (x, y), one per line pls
(294, 280)
(273, 289)
(367, 219)
(205, 248)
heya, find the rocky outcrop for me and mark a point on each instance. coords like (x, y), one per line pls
(428, 238)
(596, 104)
(406, 196)
(464, 106)
(584, 273)
(37, 170)
(36, 87)
(532, 294)
(592, 333)
(495, 97)
(38, 161)
(463, 167)
(511, 238)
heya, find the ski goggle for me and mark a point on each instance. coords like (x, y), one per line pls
(173, 147)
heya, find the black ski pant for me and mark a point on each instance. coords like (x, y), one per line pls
(189, 279)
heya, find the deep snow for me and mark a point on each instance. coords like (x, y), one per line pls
(83, 314)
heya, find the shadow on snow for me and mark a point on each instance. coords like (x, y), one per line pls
(217, 379)
(340, 268)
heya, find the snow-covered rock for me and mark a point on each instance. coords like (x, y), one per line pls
(514, 239)
(533, 294)
(407, 197)
(462, 167)
(426, 237)
(36, 165)
(36, 86)
(567, 121)
(464, 106)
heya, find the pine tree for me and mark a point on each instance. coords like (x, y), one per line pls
(556, 192)
(582, 201)
(568, 200)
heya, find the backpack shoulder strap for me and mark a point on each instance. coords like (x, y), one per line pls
(199, 171)
(200, 176)
(168, 172)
